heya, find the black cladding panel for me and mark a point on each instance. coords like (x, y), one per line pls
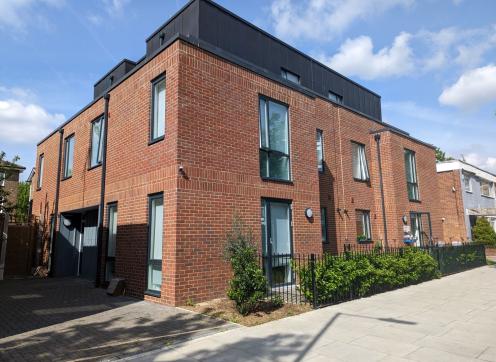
(112, 77)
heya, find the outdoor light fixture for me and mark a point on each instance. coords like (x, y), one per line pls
(67, 222)
(308, 213)
(404, 219)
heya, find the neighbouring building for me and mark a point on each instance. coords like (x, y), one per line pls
(220, 118)
(466, 192)
(9, 182)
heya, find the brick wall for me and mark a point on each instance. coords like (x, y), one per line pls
(450, 198)
(11, 185)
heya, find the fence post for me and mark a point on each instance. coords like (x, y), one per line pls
(314, 284)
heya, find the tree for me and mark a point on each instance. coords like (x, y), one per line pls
(483, 232)
(22, 206)
(6, 172)
(441, 155)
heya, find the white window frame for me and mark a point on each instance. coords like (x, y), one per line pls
(365, 220)
(490, 188)
(466, 178)
(360, 166)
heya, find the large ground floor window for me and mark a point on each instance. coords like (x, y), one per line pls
(156, 218)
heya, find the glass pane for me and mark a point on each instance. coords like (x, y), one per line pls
(356, 161)
(280, 228)
(159, 109)
(154, 276)
(69, 157)
(408, 166)
(359, 224)
(323, 224)
(112, 227)
(156, 228)
(279, 166)
(278, 127)
(263, 221)
(264, 163)
(95, 142)
(264, 140)
(40, 171)
(320, 154)
(367, 231)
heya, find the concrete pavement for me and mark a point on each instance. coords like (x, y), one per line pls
(450, 319)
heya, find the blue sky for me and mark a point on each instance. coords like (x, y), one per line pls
(432, 61)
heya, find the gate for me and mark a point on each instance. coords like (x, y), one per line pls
(3, 241)
(20, 253)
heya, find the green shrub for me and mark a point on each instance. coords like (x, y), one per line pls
(483, 232)
(350, 276)
(248, 286)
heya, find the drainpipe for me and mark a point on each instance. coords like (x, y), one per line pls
(101, 208)
(377, 138)
(53, 228)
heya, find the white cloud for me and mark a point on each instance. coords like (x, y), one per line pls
(16, 15)
(487, 163)
(24, 122)
(356, 57)
(115, 7)
(473, 89)
(323, 19)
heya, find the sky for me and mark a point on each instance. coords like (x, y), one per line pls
(432, 61)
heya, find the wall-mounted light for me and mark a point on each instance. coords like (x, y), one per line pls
(308, 213)
(404, 219)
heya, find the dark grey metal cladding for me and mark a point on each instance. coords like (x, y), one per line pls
(230, 33)
(112, 77)
(184, 22)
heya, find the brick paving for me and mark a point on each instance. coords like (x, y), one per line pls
(68, 319)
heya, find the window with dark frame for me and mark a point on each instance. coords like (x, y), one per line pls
(292, 77)
(157, 124)
(323, 224)
(96, 154)
(359, 161)
(155, 238)
(363, 228)
(274, 140)
(411, 175)
(320, 150)
(41, 162)
(68, 156)
(111, 241)
(336, 98)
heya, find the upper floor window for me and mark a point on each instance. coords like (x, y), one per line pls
(411, 176)
(360, 166)
(96, 142)
(320, 150)
(292, 77)
(467, 184)
(274, 140)
(2, 178)
(363, 225)
(41, 163)
(486, 188)
(335, 97)
(68, 156)
(158, 109)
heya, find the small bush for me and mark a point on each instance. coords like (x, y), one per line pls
(483, 232)
(248, 286)
(351, 276)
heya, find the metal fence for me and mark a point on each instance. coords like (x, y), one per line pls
(299, 278)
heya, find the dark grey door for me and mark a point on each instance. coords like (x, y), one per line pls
(88, 247)
(66, 253)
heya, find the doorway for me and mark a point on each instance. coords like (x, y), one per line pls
(421, 228)
(277, 248)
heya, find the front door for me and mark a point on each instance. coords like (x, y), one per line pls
(421, 228)
(276, 241)
(88, 247)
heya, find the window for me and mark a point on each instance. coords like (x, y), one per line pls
(360, 167)
(292, 77)
(2, 179)
(323, 224)
(274, 140)
(158, 110)
(156, 218)
(466, 183)
(41, 163)
(363, 225)
(486, 188)
(411, 176)
(68, 156)
(320, 151)
(96, 142)
(336, 98)
(111, 241)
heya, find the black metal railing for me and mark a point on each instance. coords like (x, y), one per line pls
(308, 278)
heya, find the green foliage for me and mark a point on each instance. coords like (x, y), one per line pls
(483, 232)
(22, 206)
(441, 155)
(248, 286)
(351, 276)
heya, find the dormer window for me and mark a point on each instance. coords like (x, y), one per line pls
(336, 98)
(292, 77)
(162, 39)
(111, 80)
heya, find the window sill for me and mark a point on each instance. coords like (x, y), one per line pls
(158, 139)
(487, 197)
(66, 178)
(38, 189)
(367, 181)
(369, 241)
(94, 166)
(415, 201)
(277, 180)
(152, 293)
(469, 192)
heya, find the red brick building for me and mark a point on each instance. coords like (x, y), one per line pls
(213, 122)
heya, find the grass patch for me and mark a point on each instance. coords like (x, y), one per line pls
(490, 262)
(226, 309)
